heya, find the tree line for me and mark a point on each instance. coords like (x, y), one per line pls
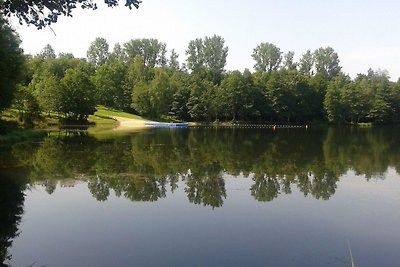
(143, 77)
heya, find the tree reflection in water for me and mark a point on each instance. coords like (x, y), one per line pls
(145, 166)
(11, 210)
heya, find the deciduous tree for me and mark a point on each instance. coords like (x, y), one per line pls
(267, 56)
(11, 63)
(98, 52)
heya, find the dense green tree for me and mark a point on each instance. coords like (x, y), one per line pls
(208, 57)
(98, 52)
(318, 84)
(267, 56)
(11, 63)
(195, 59)
(77, 95)
(236, 97)
(47, 92)
(42, 13)
(280, 95)
(179, 109)
(112, 87)
(215, 53)
(45, 84)
(141, 98)
(200, 100)
(356, 101)
(139, 77)
(161, 91)
(27, 105)
(333, 103)
(327, 61)
(151, 51)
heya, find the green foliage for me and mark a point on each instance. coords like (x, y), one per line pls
(27, 105)
(199, 103)
(152, 52)
(46, 83)
(112, 87)
(207, 57)
(307, 63)
(195, 54)
(267, 56)
(11, 63)
(289, 63)
(118, 53)
(236, 97)
(139, 78)
(141, 167)
(173, 62)
(98, 52)
(77, 95)
(333, 103)
(327, 62)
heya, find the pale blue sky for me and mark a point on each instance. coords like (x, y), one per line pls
(364, 33)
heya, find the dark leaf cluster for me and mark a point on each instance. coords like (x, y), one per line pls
(42, 13)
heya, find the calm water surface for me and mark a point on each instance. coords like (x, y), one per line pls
(202, 197)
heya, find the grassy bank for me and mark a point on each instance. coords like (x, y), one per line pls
(11, 132)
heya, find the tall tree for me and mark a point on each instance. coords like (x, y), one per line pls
(195, 53)
(327, 61)
(215, 53)
(42, 13)
(162, 60)
(356, 101)
(333, 103)
(289, 61)
(45, 84)
(77, 95)
(11, 63)
(150, 50)
(207, 57)
(173, 62)
(98, 52)
(118, 53)
(267, 56)
(112, 89)
(307, 63)
(48, 52)
(236, 97)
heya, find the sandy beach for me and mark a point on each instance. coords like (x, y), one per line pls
(126, 123)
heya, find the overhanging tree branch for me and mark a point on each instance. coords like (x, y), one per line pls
(42, 13)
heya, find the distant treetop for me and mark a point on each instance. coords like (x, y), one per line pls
(42, 13)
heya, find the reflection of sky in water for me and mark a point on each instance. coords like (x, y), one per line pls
(71, 228)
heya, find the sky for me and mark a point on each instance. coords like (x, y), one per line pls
(363, 33)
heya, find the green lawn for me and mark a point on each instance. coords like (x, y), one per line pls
(104, 112)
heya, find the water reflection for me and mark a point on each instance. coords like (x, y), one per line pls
(149, 165)
(11, 210)
(145, 166)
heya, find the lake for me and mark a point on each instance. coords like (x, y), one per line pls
(202, 197)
